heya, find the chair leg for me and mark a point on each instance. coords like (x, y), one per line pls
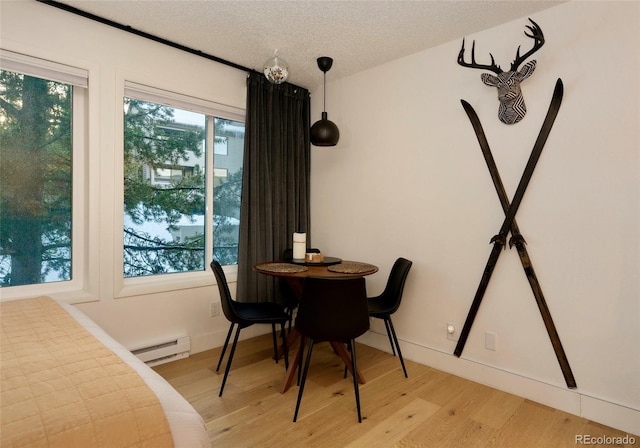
(345, 366)
(290, 312)
(301, 349)
(352, 345)
(395, 339)
(224, 347)
(386, 325)
(233, 350)
(285, 349)
(304, 379)
(275, 343)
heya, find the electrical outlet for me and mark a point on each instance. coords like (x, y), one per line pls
(490, 340)
(214, 309)
(452, 331)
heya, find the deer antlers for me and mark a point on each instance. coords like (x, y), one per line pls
(535, 34)
(538, 42)
(493, 67)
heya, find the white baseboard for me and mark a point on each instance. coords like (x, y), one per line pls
(611, 414)
(605, 412)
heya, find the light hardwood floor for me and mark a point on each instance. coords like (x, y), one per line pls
(430, 409)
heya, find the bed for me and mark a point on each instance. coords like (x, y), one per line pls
(66, 383)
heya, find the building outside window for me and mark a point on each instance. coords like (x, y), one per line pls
(182, 185)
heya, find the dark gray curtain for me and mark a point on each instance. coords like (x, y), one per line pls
(275, 184)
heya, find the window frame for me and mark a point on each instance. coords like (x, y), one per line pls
(84, 279)
(175, 281)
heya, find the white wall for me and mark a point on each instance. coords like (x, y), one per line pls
(408, 179)
(133, 316)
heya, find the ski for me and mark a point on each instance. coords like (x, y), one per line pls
(519, 242)
(499, 240)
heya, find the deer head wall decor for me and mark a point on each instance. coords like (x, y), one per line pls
(512, 108)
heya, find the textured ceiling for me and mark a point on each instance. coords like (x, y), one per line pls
(357, 34)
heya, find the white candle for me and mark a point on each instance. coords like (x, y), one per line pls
(299, 245)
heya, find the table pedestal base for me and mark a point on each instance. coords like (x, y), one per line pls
(338, 347)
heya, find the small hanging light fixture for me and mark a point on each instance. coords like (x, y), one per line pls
(276, 69)
(324, 132)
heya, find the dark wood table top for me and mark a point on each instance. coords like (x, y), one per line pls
(343, 269)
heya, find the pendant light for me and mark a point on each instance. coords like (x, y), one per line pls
(324, 132)
(276, 69)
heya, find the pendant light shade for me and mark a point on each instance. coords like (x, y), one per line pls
(324, 132)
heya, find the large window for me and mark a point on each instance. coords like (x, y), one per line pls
(170, 176)
(39, 126)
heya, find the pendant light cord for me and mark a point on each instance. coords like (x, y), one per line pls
(324, 92)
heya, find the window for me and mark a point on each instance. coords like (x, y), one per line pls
(170, 176)
(41, 124)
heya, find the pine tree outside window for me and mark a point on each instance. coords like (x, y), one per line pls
(41, 124)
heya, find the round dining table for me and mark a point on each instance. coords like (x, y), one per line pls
(295, 271)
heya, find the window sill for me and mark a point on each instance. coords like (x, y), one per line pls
(65, 291)
(171, 282)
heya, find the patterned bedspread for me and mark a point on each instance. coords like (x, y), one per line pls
(61, 387)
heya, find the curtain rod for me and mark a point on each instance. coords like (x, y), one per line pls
(137, 32)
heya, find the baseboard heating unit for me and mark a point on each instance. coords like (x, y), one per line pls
(163, 352)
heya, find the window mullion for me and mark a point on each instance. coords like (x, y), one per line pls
(209, 208)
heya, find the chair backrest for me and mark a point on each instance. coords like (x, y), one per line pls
(392, 294)
(333, 309)
(225, 295)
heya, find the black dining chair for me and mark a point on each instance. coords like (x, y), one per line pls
(288, 296)
(332, 310)
(387, 303)
(244, 315)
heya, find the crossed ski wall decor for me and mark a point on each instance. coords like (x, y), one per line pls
(509, 225)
